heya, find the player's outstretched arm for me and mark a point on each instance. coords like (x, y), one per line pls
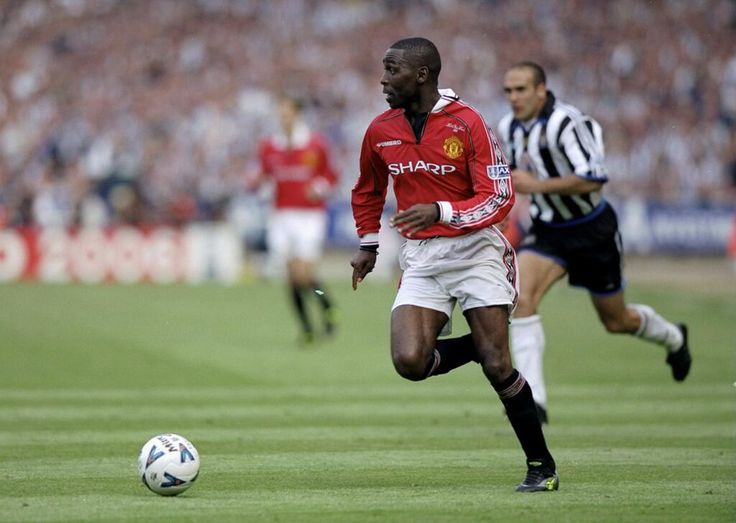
(362, 263)
(526, 183)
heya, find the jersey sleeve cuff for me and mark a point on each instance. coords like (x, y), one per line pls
(369, 240)
(445, 212)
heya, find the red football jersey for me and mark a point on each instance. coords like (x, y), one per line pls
(301, 170)
(457, 162)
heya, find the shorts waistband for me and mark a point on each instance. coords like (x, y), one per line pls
(602, 206)
(436, 239)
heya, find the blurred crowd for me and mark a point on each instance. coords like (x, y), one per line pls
(149, 111)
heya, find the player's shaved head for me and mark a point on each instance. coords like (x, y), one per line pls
(538, 75)
(421, 52)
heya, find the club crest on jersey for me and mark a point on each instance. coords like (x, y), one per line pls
(498, 172)
(453, 147)
(310, 159)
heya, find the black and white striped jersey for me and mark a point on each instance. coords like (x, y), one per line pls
(562, 141)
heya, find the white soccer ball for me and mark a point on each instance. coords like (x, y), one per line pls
(168, 464)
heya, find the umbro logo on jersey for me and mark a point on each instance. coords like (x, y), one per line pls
(388, 143)
(421, 165)
(497, 172)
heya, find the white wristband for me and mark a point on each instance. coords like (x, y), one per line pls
(445, 212)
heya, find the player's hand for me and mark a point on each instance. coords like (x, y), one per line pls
(524, 181)
(362, 263)
(318, 190)
(414, 219)
(253, 179)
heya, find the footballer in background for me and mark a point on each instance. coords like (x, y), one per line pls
(295, 161)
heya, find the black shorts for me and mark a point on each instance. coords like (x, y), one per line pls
(589, 251)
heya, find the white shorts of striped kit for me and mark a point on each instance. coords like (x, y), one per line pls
(297, 233)
(475, 270)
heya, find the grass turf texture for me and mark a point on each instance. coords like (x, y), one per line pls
(88, 374)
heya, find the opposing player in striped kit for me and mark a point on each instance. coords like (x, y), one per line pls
(452, 185)
(556, 155)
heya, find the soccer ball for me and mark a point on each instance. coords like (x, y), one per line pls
(168, 464)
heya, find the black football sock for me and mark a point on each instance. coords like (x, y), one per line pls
(516, 395)
(328, 313)
(454, 353)
(297, 298)
(325, 304)
(321, 294)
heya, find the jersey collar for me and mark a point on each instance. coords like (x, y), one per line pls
(300, 136)
(447, 96)
(549, 105)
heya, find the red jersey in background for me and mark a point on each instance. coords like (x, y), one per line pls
(301, 169)
(456, 162)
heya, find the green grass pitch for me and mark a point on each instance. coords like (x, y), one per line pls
(332, 434)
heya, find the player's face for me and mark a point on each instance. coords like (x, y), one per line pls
(399, 79)
(525, 98)
(288, 114)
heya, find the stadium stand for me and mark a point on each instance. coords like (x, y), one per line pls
(149, 111)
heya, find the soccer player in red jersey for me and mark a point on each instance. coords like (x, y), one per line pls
(296, 160)
(452, 185)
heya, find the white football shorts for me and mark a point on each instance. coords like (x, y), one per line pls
(475, 270)
(297, 233)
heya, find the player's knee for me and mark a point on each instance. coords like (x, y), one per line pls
(300, 278)
(411, 365)
(615, 325)
(495, 368)
(526, 305)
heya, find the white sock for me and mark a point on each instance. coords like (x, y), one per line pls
(656, 329)
(527, 348)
